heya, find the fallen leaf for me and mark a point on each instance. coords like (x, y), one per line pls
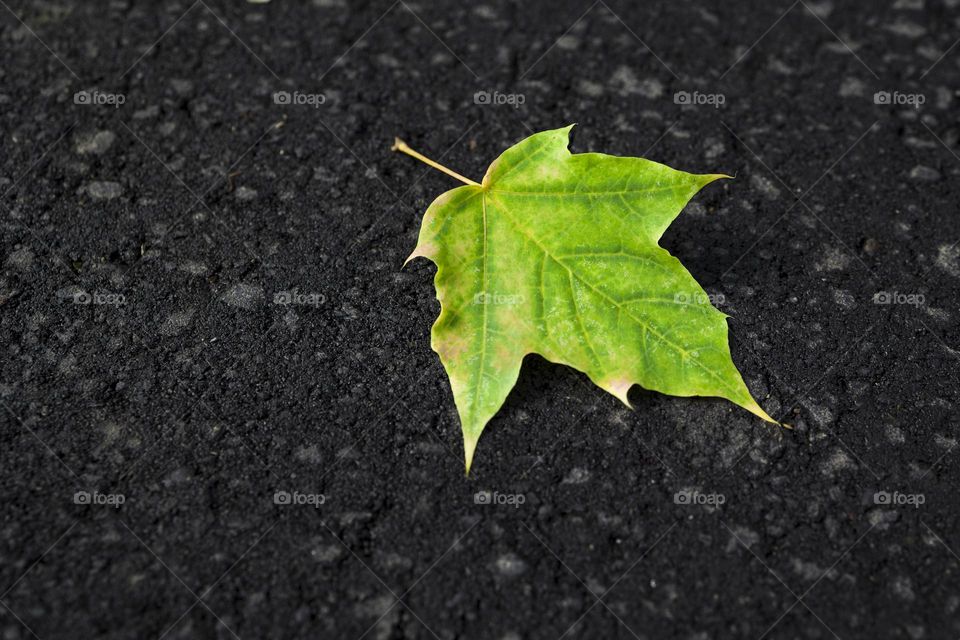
(557, 254)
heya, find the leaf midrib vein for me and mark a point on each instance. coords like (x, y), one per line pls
(483, 340)
(494, 190)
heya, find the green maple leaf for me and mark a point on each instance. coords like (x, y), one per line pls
(557, 254)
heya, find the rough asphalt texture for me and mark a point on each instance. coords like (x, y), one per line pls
(181, 388)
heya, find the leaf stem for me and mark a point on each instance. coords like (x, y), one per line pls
(402, 147)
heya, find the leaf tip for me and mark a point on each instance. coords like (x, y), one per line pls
(758, 411)
(416, 254)
(421, 251)
(469, 448)
(398, 145)
(620, 389)
(559, 136)
(713, 177)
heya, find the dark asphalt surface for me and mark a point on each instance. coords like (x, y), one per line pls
(151, 226)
